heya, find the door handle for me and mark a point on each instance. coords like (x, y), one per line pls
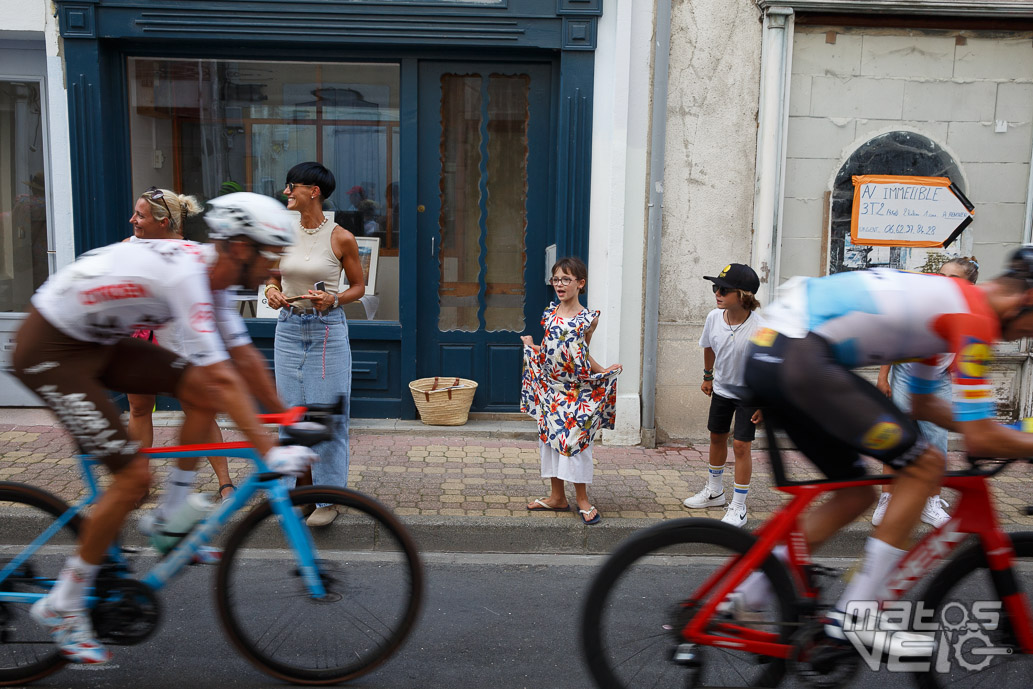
(432, 242)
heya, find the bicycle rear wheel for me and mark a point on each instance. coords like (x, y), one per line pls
(26, 650)
(975, 655)
(372, 574)
(644, 595)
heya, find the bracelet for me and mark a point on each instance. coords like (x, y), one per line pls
(707, 379)
(267, 288)
(707, 371)
(336, 302)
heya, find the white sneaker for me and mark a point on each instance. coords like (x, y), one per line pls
(734, 608)
(72, 632)
(705, 498)
(933, 512)
(880, 509)
(735, 515)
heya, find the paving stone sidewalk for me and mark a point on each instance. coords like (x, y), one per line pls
(421, 473)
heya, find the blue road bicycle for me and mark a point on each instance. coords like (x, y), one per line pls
(311, 607)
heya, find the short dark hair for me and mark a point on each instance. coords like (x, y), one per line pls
(314, 174)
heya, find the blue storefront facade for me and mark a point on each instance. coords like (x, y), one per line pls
(459, 133)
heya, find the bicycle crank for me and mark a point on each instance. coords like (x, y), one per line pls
(127, 612)
(820, 662)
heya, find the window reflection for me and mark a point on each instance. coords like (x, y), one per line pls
(23, 205)
(210, 127)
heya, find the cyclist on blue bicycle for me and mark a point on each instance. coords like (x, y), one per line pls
(75, 345)
(800, 366)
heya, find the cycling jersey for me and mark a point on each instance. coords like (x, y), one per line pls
(886, 316)
(110, 292)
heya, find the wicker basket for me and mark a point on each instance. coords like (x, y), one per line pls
(443, 401)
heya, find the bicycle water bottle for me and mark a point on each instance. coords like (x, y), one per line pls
(195, 508)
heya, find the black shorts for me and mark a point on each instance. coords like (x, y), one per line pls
(832, 415)
(720, 420)
(73, 377)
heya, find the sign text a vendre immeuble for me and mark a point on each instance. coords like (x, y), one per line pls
(896, 210)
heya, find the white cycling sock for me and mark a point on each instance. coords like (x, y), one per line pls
(756, 589)
(178, 487)
(869, 584)
(69, 591)
(739, 494)
(715, 484)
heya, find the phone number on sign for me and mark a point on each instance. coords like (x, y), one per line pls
(899, 228)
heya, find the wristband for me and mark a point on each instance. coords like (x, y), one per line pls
(707, 379)
(335, 302)
(267, 288)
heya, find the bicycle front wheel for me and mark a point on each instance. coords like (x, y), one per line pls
(372, 575)
(648, 590)
(26, 651)
(973, 648)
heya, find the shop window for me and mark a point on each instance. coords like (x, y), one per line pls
(23, 206)
(893, 153)
(208, 127)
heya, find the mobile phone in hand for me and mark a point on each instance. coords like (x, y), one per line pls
(319, 286)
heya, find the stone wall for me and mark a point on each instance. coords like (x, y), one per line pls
(709, 182)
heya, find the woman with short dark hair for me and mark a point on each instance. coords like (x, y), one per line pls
(312, 354)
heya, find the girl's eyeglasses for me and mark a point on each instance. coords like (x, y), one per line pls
(561, 281)
(291, 185)
(159, 195)
(724, 290)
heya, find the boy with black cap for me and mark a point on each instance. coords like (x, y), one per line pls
(725, 341)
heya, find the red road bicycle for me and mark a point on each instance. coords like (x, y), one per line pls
(679, 633)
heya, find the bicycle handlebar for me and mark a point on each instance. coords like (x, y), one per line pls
(286, 418)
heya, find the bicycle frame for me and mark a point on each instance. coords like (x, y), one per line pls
(974, 515)
(298, 535)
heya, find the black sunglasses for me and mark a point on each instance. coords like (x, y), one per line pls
(159, 195)
(724, 290)
(291, 185)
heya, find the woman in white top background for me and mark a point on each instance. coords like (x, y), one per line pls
(160, 214)
(312, 354)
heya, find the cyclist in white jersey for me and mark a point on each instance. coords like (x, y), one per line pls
(75, 345)
(799, 369)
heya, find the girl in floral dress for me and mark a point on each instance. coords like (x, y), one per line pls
(567, 392)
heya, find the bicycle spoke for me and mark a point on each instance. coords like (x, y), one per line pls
(371, 597)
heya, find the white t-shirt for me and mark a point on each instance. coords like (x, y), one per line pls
(730, 344)
(110, 292)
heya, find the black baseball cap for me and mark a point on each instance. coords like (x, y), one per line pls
(737, 276)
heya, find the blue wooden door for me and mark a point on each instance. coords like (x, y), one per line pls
(483, 214)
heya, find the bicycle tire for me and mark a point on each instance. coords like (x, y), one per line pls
(27, 652)
(644, 658)
(374, 579)
(967, 575)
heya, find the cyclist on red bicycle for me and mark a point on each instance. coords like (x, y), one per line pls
(75, 345)
(800, 370)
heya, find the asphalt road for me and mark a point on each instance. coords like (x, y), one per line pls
(488, 622)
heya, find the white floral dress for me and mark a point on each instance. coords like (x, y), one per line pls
(559, 389)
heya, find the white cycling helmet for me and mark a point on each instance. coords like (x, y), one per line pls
(245, 214)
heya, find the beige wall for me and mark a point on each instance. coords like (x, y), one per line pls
(954, 87)
(709, 184)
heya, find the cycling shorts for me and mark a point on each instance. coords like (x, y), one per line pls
(72, 377)
(831, 414)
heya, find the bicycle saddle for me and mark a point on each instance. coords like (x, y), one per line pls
(307, 433)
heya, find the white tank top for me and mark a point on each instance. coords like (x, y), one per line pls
(311, 259)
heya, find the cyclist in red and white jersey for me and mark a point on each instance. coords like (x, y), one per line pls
(75, 345)
(800, 366)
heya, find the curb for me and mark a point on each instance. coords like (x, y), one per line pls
(446, 534)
